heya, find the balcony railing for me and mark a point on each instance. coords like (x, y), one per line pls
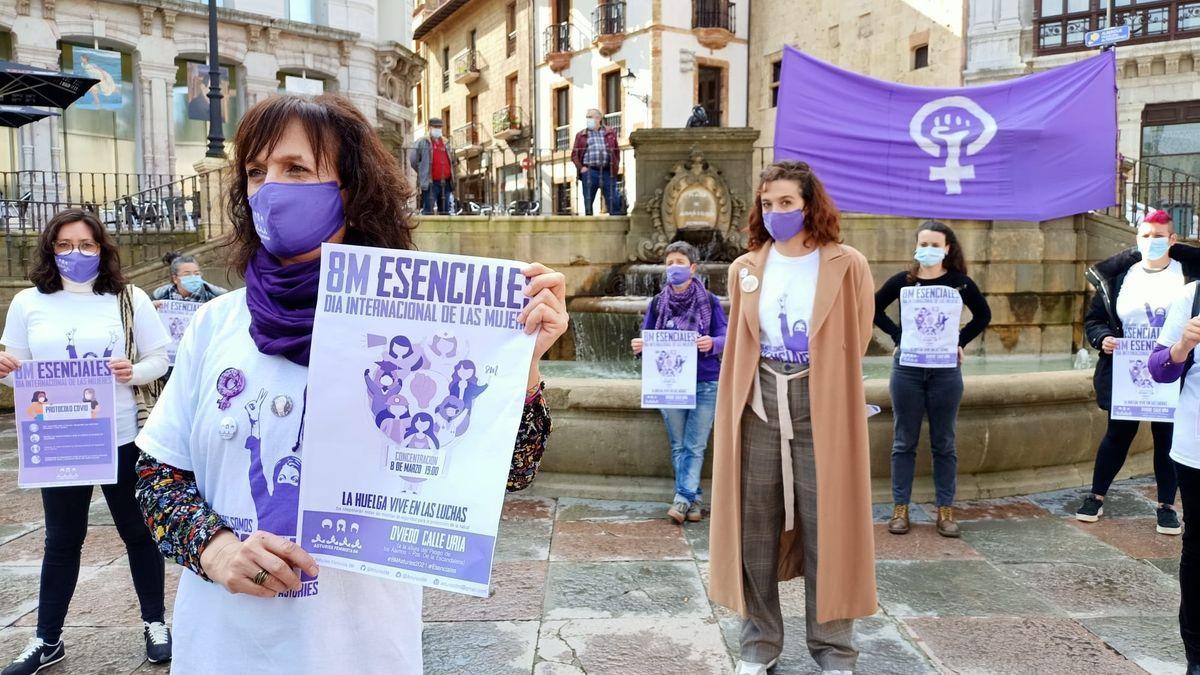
(561, 38)
(468, 139)
(714, 14)
(466, 67)
(508, 123)
(1148, 22)
(562, 137)
(613, 121)
(609, 18)
(1149, 186)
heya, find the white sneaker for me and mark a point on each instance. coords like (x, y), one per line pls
(751, 668)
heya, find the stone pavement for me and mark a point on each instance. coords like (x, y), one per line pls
(592, 586)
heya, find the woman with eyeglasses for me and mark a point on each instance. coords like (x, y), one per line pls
(73, 311)
(187, 282)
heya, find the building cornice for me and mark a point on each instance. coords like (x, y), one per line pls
(180, 8)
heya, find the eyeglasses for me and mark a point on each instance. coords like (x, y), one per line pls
(84, 247)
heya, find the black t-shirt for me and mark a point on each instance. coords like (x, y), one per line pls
(981, 314)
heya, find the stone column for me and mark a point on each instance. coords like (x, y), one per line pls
(40, 143)
(157, 83)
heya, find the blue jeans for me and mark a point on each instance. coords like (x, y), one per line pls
(689, 431)
(915, 393)
(438, 193)
(595, 180)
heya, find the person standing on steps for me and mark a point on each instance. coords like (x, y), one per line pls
(791, 469)
(1133, 290)
(685, 304)
(927, 389)
(597, 159)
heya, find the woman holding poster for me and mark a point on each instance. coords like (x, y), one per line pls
(223, 461)
(685, 304)
(187, 282)
(791, 472)
(73, 312)
(926, 376)
(1133, 291)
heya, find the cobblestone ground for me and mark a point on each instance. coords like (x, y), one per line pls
(590, 586)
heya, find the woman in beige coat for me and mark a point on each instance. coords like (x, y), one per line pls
(800, 321)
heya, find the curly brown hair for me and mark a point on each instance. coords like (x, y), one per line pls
(45, 275)
(377, 194)
(821, 218)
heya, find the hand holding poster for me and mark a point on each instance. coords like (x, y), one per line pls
(929, 320)
(669, 369)
(65, 429)
(1135, 395)
(176, 315)
(416, 387)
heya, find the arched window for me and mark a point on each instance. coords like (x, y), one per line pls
(303, 83)
(190, 114)
(100, 129)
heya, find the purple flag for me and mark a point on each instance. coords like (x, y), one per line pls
(1034, 148)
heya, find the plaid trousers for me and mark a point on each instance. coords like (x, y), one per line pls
(830, 643)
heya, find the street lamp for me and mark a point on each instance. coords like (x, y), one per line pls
(216, 137)
(628, 79)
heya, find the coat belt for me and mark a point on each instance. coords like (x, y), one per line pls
(786, 434)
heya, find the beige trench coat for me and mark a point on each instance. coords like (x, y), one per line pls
(840, 330)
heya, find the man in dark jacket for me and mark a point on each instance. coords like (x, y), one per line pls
(597, 160)
(1103, 326)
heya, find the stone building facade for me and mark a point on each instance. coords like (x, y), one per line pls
(643, 63)
(1158, 70)
(918, 42)
(151, 119)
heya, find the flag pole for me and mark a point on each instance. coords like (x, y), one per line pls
(216, 138)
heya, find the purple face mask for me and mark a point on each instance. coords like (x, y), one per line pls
(78, 267)
(678, 275)
(784, 225)
(294, 218)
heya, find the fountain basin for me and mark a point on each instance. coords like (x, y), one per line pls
(1017, 433)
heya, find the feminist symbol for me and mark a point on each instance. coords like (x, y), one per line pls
(230, 384)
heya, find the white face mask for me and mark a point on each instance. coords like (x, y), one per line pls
(592, 124)
(435, 133)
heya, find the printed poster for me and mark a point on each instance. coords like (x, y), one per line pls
(103, 65)
(176, 315)
(197, 92)
(669, 368)
(416, 389)
(66, 434)
(929, 320)
(1135, 395)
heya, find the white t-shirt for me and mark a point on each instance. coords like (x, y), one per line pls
(785, 305)
(1185, 442)
(339, 622)
(1144, 298)
(78, 325)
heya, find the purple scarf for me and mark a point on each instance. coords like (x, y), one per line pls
(689, 310)
(282, 301)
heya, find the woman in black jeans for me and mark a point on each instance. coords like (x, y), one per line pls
(926, 377)
(72, 312)
(1133, 290)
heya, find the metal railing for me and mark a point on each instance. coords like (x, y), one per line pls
(714, 14)
(613, 121)
(508, 122)
(149, 220)
(561, 37)
(562, 137)
(468, 135)
(609, 18)
(1149, 186)
(466, 65)
(503, 180)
